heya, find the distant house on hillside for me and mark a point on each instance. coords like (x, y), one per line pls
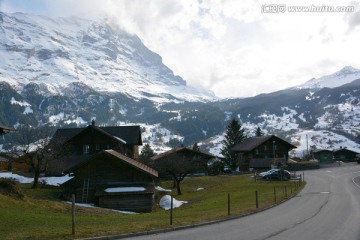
(262, 152)
(344, 154)
(111, 180)
(198, 158)
(323, 155)
(80, 143)
(4, 129)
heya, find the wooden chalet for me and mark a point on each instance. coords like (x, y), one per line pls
(199, 158)
(80, 143)
(323, 155)
(112, 180)
(4, 129)
(344, 154)
(262, 152)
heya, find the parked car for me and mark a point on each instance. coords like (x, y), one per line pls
(267, 172)
(277, 175)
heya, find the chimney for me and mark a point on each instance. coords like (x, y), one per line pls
(93, 122)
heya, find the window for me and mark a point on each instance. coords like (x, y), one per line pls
(256, 151)
(86, 149)
(265, 148)
(97, 147)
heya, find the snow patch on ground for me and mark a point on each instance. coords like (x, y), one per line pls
(165, 202)
(53, 181)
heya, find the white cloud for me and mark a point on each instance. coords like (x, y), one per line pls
(228, 46)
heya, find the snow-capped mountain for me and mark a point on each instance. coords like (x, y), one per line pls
(329, 117)
(344, 76)
(65, 72)
(56, 53)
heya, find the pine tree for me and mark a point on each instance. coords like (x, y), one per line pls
(196, 147)
(146, 154)
(234, 135)
(258, 132)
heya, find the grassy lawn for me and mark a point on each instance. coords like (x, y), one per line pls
(42, 215)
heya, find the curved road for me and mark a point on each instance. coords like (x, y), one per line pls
(327, 208)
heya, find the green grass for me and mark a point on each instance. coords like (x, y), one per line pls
(41, 215)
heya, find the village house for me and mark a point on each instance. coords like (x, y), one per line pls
(80, 143)
(323, 155)
(262, 152)
(5, 164)
(344, 154)
(102, 161)
(198, 159)
(111, 180)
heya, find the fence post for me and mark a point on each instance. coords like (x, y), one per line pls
(73, 213)
(303, 177)
(274, 194)
(171, 209)
(228, 204)
(256, 199)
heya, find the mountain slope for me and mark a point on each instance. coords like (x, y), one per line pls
(54, 53)
(344, 76)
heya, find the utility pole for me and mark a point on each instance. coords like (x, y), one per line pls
(307, 144)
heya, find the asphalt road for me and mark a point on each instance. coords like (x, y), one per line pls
(328, 208)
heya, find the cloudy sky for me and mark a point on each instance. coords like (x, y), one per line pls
(236, 48)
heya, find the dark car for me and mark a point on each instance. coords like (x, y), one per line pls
(277, 175)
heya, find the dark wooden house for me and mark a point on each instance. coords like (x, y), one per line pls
(199, 159)
(344, 154)
(262, 152)
(80, 143)
(323, 156)
(112, 180)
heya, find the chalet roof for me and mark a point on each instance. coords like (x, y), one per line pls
(126, 134)
(251, 143)
(344, 149)
(118, 156)
(4, 129)
(182, 149)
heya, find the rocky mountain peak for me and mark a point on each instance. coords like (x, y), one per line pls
(59, 52)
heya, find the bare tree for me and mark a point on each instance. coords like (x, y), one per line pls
(35, 148)
(178, 167)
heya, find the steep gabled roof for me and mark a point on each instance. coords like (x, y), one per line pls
(251, 143)
(182, 149)
(120, 157)
(126, 134)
